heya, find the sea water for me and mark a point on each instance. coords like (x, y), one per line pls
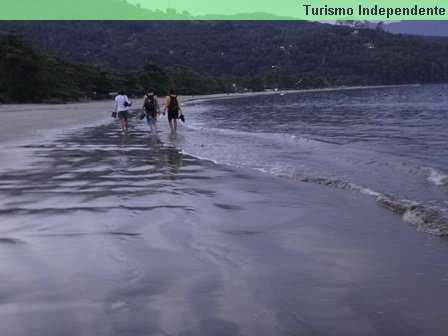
(390, 142)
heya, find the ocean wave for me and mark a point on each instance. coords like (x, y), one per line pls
(436, 177)
(282, 137)
(426, 218)
(425, 214)
(339, 184)
(432, 175)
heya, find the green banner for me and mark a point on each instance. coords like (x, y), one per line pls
(379, 10)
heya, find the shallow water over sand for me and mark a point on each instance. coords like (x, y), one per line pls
(102, 234)
(388, 142)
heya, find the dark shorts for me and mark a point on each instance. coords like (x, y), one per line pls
(123, 115)
(173, 114)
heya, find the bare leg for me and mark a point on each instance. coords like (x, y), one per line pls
(171, 123)
(123, 125)
(154, 128)
(175, 125)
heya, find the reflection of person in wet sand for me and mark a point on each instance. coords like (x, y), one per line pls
(122, 104)
(172, 160)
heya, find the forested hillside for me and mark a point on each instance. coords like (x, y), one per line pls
(209, 56)
(30, 75)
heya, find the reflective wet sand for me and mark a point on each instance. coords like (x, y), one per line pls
(102, 234)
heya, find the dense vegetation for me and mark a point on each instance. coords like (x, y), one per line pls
(208, 56)
(30, 75)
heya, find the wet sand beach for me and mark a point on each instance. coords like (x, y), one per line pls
(102, 234)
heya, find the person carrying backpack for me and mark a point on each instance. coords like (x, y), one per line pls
(173, 106)
(150, 108)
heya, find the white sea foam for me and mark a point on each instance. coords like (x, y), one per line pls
(436, 177)
(427, 218)
(339, 184)
(184, 152)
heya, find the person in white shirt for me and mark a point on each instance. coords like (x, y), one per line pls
(122, 105)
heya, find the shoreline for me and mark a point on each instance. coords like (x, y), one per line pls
(129, 236)
(117, 235)
(95, 112)
(424, 216)
(65, 118)
(219, 96)
(71, 117)
(189, 98)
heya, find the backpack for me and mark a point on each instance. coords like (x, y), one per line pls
(173, 107)
(149, 104)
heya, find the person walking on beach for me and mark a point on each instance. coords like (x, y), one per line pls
(122, 105)
(151, 108)
(173, 106)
